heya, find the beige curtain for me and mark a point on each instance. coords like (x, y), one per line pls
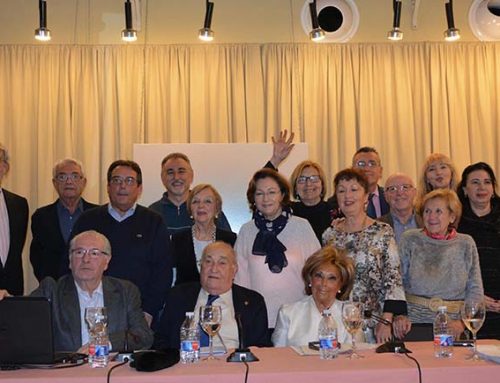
(95, 102)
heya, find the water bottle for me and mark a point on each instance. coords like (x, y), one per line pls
(190, 340)
(327, 334)
(443, 339)
(97, 321)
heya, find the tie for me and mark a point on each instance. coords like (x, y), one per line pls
(370, 210)
(203, 335)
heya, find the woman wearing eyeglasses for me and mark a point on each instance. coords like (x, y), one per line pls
(273, 247)
(308, 187)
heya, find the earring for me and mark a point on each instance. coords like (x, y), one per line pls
(339, 291)
(309, 285)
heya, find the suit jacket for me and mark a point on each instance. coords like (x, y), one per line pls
(387, 218)
(11, 275)
(48, 245)
(182, 299)
(185, 258)
(122, 301)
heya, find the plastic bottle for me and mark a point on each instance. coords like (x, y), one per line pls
(327, 334)
(190, 340)
(99, 345)
(443, 339)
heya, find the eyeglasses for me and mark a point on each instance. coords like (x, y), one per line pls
(364, 164)
(404, 188)
(93, 253)
(117, 180)
(271, 194)
(63, 177)
(313, 179)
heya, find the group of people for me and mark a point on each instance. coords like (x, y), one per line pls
(399, 249)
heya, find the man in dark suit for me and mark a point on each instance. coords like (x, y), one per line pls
(52, 225)
(218, 268)
(400, 191)
(367, 160)
(89, 254)
(13, 226)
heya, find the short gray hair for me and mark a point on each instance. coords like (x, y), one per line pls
(95, 234)
(66, 161)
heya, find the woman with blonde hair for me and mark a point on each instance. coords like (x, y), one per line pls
(438, 172)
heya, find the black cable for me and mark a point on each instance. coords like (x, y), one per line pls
(115, 366)
(418, 366)
(247, 369)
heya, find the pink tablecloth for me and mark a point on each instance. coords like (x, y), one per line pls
(284, 365)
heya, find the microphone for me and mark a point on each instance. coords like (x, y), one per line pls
(392, 346)
(125, 353)
(242, 353)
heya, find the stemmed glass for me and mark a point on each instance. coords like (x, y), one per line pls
(352, 316)
(473, 313)
(210, 321)
(96, 319)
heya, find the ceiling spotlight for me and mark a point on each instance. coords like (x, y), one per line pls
(396, 34)
(205, 33)
(129, 34)
(452, 33)
(42, 33)
(316, 34)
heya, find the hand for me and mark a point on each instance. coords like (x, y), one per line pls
(281, 147)
(383, 333)
(456, 327)
(492, 304)
(148, 317)
(84, 349)
(4, 294)
(401, 325)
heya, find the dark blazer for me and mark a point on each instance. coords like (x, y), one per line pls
(48, 245)
(387, 218)
(122, 301)
(184, 257)
(181, 299)
(11, 275)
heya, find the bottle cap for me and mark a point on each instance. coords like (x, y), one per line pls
(443, 308)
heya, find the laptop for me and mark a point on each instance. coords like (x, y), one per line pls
(26, 333)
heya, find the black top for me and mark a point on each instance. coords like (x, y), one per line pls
(486, 233)
(319, 216)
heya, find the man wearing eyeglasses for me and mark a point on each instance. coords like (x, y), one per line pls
(52, 225)
(400, 193)
(138, 236)
(13, 226)
(89, 257)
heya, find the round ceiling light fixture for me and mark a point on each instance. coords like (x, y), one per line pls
(484, 19)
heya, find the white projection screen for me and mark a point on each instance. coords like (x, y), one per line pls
(228, 167)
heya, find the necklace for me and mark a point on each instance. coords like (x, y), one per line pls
(195, 231)
(347, 229)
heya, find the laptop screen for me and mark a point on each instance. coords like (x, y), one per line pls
(26, 331)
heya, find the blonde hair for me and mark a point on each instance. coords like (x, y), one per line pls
(199, 188)
(449, 197)
(298, 171)
(425, 187)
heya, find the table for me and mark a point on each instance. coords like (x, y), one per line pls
(279, 365)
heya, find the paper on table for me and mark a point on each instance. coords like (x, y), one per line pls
(489, 352)
(345, 348)
(218, 350)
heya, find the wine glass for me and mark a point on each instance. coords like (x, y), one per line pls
(352, 316)
(210, 321)
(473, 313)
(96, 319)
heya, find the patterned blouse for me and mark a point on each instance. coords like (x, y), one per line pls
(378, 278)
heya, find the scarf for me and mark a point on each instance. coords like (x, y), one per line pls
(452, 233)
(266, 242)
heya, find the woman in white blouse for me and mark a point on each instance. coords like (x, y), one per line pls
(328, 274)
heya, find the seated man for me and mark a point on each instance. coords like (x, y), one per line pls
(89, 255)
(218, 268)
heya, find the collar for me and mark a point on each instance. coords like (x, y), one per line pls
(83, 292)
(119, 217)
(61, 207)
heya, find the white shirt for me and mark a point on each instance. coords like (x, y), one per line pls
(298, 323)
(117, 216)
(87, 300)
(229, 329)
(4, 230)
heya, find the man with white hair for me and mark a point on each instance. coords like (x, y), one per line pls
(13, 226)
(52, 225)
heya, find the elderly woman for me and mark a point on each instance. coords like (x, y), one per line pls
(309, 183)
(439, 266)
(438, 172)
(327, 274)
(273, 247)
(372, 246)
(481, 220)
(204, 204)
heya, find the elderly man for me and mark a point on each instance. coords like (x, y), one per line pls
(367, 160)
(400, 193)
(177, 177)
(218, 268)
(89, 256)
(52, 225)
(141, 246)
(13, 226)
